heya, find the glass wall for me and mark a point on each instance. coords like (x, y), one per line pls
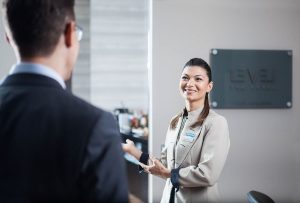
(112, 68)
(112, 71)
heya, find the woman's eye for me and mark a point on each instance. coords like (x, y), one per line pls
(184, 78)
(198, 79)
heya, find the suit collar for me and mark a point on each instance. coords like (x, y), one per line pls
(34, 68)
(28, 79)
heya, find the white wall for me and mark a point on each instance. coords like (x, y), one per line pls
(7, 57)
(265, 143)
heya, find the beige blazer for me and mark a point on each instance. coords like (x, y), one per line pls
(201, 154)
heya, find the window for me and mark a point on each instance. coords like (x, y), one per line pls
(111, 70)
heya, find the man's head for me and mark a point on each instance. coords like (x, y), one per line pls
(38, 26)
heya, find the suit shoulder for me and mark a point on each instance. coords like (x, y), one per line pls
(81, 102)
(83, 107)
(215, 118)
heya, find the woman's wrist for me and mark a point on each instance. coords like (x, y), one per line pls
(167, 174)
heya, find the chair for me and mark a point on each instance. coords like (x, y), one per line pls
(258, 197)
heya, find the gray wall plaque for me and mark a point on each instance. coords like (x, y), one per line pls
(251, 78)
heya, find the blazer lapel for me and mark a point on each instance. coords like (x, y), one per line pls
(173, 135)
(187, 139)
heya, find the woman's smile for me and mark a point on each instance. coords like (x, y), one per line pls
(189, 91)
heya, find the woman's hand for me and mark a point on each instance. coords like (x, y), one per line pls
(156, 168)
(130, 148)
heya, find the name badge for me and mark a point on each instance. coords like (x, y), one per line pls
(189, 136)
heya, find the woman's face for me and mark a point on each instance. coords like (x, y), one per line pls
(194, 84)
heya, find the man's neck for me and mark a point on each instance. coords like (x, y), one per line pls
(54, 65)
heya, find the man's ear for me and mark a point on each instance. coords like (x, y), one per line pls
(70, 27)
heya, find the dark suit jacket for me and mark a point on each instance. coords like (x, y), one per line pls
(55, 146)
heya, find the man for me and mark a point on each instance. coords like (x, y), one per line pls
(53, 145)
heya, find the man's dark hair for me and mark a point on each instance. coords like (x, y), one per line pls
(36, 25)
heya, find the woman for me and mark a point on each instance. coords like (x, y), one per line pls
(197, 143)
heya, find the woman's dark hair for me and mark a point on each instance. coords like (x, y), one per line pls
(204, 113)
(36, 25)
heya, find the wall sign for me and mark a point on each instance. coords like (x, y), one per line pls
(251, 78)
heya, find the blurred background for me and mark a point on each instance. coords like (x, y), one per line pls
(130, 63)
